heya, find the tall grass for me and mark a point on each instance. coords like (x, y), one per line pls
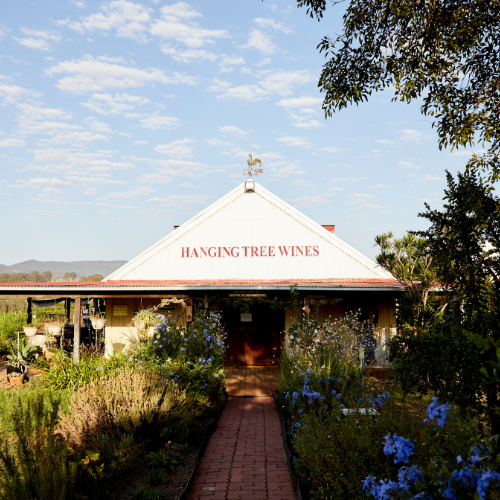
(12, 322)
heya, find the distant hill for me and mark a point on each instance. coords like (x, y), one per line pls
(80, 267)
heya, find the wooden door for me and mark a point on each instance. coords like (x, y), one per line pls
(257, 342)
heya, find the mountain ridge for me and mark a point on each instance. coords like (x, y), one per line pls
(58, 268)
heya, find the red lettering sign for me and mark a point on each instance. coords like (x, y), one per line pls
(262, 251)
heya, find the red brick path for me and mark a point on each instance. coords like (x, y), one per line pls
(245, 458)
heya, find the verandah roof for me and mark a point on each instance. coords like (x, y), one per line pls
(125, 287)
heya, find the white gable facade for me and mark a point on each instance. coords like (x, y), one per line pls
(249, 235)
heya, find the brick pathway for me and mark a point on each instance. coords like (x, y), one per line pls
(245, 458)
(254, 381)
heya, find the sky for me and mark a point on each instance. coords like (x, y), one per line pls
(121, 119)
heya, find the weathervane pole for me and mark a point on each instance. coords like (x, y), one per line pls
(250, 170)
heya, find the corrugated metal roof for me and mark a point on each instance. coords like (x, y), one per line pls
(201, 284)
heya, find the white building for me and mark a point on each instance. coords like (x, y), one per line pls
(252, 245)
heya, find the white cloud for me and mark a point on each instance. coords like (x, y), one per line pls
(179, 149)
(177, 24)
(181, 200)
(308, 200)
(263, 62)
(331, 149)
(271, 23)
(107, 104)
(170, 169)
(249, 93)
(295, 141)
(130, 20)
(385, 141)
(142, 191)
(229, 130)
(230, 60)
(300, 102)
(74, 161)
(378, 186)
(270, 82)
(218, 143)
(12, 142)
(408, 135)
(409, 165)
(189, 55)
(284, 82)
(139, 143)
(90, 74)
(13, 93)
(430, 177)
(289, 170)
(160, 122)
(67, 137)
(304, 122)
(259, 40)
(43, 182)
(361, 197)
(38, 39)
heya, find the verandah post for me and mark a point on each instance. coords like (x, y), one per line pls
(76, 337)
(30, 311)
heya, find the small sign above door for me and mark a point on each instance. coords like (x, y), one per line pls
(249, 295)
(246, 317)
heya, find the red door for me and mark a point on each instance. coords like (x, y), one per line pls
(256, 342)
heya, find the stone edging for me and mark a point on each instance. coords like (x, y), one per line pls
(295, 480)
(209, 430)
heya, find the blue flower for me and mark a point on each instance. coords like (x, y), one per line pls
(438, 412)
(399, 446)
(484, 480)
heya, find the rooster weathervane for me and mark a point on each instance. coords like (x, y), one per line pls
(251, 163)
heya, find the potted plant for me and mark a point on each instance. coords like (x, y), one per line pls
(55, 327)
(19, 360)
(145, 318)
(98, 321)
(38, 366)
(16, 379)
(30, 330)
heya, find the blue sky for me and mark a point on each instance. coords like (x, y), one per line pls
(121, 119)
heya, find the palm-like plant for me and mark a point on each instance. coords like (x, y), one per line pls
(21, 358)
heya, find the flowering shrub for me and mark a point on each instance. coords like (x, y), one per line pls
(336, 449)
(191, 356)
(434, 477)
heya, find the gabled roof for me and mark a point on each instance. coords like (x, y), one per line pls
(244, 219)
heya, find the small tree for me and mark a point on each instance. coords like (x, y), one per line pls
(464, 241)
(409, 261)
(69, 276)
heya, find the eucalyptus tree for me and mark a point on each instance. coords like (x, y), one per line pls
(446, 52)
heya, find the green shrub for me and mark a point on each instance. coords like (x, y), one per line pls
(157, 477)
(164, 459)
(182, 427)
(63, 373)
(446, 359)
(110, 454)
(336, 452)
(10, 399)
(147, 494)
(190, 356)
(136, 402)
(36, 465)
